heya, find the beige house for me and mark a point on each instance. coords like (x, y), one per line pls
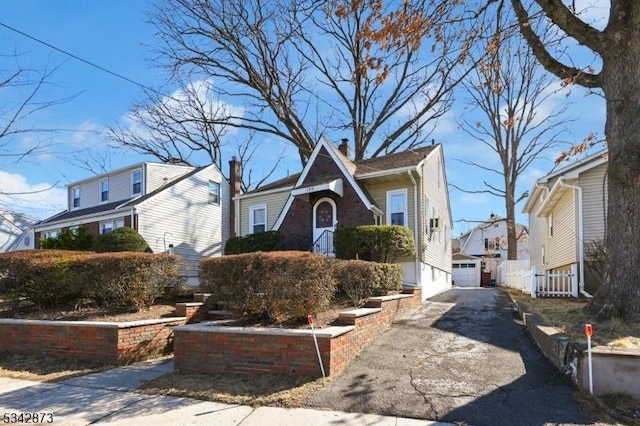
(407, 188)
(567, 214)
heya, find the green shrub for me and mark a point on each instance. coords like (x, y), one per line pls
(128, 280)
(280, 285)
(121, 239)
(360, 279)
(45, 277)
(261, 241)
(379, 243)
(70, 239)
(56, 278)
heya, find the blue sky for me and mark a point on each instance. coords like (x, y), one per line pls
(115, 35)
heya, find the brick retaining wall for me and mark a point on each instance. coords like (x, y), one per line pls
(210, 348)
(103, 342)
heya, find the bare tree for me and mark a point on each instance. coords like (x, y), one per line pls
(511, 92)
(381, 70)
(618, 46)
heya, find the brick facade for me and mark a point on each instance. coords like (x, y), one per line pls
(109, 343)
(207, 348)
(350, 210)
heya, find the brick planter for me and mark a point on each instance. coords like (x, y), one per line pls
(103, 342)
(211, 348)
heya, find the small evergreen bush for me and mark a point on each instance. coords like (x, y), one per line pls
(378, 243)
(121, 239)
(360, 279)
(70, 239)
(279, 285)
(261, 241)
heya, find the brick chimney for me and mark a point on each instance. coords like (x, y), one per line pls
(344, 148)
(235, 182)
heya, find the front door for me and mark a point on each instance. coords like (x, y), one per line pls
(324, 223)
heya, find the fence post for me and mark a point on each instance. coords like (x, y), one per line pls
(534, 282)
(574, 279)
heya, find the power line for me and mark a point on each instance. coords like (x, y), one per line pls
(76, 57)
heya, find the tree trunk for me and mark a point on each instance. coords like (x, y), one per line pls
(512, 237)
(619, 295)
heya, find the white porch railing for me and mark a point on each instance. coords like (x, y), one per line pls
(520, 277)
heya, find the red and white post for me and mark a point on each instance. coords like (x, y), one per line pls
(588, 330)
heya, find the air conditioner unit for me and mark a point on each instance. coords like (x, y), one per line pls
(434, 224)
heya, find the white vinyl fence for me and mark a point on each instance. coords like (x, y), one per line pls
(517, 274)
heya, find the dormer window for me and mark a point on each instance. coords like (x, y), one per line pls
(76, 197)
(104, 190)
(136, 182)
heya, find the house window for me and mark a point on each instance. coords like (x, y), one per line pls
(492, 244)
(76, 197)
(136, 182)
(49, 234)
(214, 192)
(397, 207)
(104, 190)
(550, 224)
(258, 218)
(110, 225)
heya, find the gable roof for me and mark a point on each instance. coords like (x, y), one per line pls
(117, 205)
(571, 171)
(346, 167)
(388, 164)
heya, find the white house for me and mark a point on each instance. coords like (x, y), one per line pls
(15, 232)
(567, 218)
(185, 209)
(488, 241)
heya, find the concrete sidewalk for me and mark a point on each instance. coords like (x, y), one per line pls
(107, 399)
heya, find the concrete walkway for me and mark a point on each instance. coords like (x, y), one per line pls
(106, 398)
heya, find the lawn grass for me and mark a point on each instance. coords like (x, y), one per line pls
(241, 389)
(45, 368)
(569, 316)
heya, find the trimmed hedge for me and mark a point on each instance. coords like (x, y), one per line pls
(56, 278)
(70, 239)
(360, 279)
(121, 239)
(261, 241)
(378, 243)
(280, 285)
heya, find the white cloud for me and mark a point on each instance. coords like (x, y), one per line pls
(39, 200)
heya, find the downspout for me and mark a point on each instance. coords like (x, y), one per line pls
(580, 236)
(133, 216)
(417, 233)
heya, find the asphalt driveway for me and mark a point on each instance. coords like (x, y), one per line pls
(462, 356)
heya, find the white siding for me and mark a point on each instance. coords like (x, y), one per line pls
(181, 215)
(537, 234)
(561, 248)
(436, 246)
(378, 192)
(274, 201)
(594, 201)
(158, 175)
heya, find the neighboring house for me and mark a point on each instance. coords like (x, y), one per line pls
(15, 232)
(567, 214)
(183, 208)
(488, 241)
(407, 188)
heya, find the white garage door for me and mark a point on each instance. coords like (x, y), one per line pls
(466, 274)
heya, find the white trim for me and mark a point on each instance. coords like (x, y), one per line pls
(334, 186)
(113, 223)
(100, 191)
(251, 222)
(323, 142)
(209, 192)
(333, 205)
(73, 197)
(133, 194)
(268, 191)
(391, 193)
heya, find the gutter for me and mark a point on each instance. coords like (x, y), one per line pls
(415, 227)
(580, 235)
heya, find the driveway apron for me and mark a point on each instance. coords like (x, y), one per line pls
(462, 356)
